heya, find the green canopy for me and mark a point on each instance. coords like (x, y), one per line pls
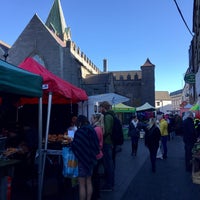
(195, 107)
(15, 80)
(122, 108)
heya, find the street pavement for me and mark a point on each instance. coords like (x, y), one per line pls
(135, 180)
(127, 167)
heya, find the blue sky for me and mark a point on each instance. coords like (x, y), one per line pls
(125, 32)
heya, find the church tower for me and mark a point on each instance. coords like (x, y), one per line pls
(56, 22)
(148, 83)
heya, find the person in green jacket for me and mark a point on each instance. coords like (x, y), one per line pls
(105, 109)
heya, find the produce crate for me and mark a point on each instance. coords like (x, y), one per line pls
(196, 170)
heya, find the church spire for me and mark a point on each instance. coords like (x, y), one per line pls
(56, 22)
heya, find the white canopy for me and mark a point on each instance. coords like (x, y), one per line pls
(112, 98)
(89, 107)
(145, 107)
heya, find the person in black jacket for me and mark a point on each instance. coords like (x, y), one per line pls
(189, 138)
(134, 133)
(85, 146)
(152, 137)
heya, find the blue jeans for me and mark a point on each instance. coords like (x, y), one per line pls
(164, 145)
(108, 165)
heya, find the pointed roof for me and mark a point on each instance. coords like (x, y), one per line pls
(122, 108)
(145, 107)
(56, 22)
(148, 63)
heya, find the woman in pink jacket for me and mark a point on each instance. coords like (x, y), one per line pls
(97, 122)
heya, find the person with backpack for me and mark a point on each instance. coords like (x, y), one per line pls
(105, 109)
(134, 133)
(85, 146)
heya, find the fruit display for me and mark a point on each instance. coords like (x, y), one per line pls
(10, 151)
(60, 138)
(196, 163)
(196, 149)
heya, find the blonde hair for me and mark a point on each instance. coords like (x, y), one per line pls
(105, 104)
(151, 122)
(99, 120)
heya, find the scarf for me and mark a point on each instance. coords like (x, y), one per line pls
(135, 123)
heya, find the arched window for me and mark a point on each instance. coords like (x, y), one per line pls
(39, 59)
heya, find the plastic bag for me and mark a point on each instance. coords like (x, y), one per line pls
(159, 152)
(70, 163)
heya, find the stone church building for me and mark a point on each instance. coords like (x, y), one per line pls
(51, 45)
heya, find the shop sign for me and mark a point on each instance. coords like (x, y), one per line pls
(190, 78)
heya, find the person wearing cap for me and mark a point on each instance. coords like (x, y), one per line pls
(105, 109)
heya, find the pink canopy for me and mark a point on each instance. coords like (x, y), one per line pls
(62, 91)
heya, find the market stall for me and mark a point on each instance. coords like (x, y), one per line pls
(20, 83)
(145, 111)
(14, 80)
(196, 109)
(145, 107)
(196, 163)
(122, 108)
(56, 91)
(91, 105)
(124, 112)
(62, 91)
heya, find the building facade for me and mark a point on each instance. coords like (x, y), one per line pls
(176, 98)
(51, 45)
(192, 87)
(163, 101)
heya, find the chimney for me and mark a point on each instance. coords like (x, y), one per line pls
(105, 67)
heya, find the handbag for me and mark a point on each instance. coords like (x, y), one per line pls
(70, 163)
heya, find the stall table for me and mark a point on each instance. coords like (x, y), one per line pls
(6, 169)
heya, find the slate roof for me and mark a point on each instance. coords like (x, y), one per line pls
(5, 47)
(97, 78)
(176, 92)
(162, 95)
(148, 63)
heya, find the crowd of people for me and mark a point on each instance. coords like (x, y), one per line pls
(159, 130)
(93, 146)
